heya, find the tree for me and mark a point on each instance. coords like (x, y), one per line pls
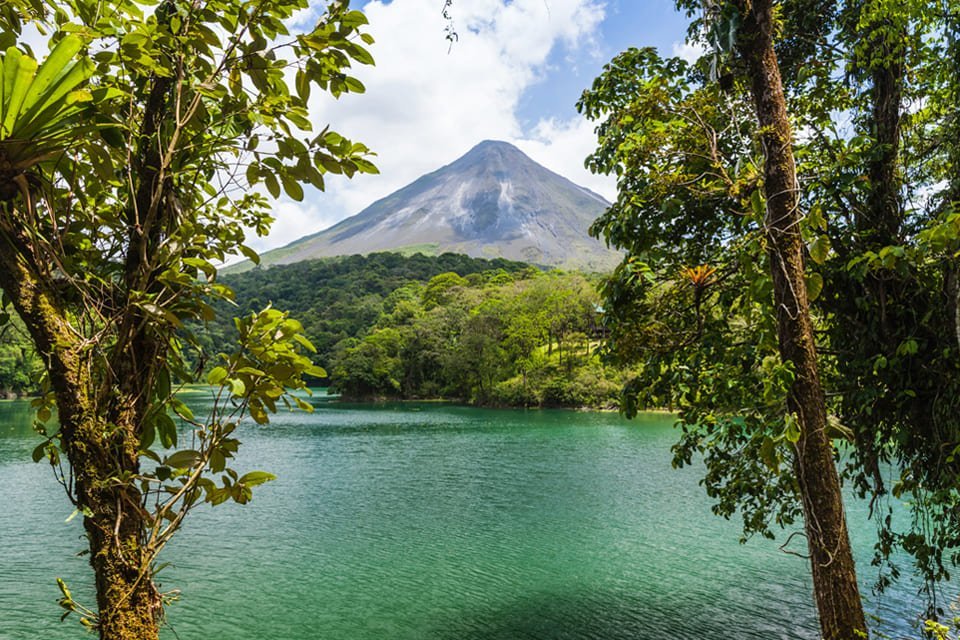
(685, 153)
(831, 558)
(890, 286)
(130, 162)
(874, 179)
(440, 288)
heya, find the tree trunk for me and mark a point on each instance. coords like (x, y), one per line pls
(99, 452)
(881, 220)
(834, 578)
(128, 603)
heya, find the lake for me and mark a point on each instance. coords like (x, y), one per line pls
(438, 522)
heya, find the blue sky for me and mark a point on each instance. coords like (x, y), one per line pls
(515, 74)
(628, 23)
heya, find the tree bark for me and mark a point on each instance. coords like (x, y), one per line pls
(99, 452)
(834, 578)
(128, 603)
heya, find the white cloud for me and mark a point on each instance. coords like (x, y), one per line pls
(424, 107)
(562, 146)
(689, 51)
(299, 219)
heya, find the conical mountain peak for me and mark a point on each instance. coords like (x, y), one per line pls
(495, 147)
(494, 201)
(492, 155)
(486, 145)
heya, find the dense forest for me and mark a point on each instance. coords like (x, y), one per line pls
(450, 326)
(527, 340)
(337, 298)
(491, 332)
(19, 364)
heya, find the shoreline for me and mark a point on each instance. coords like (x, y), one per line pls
(374, 400)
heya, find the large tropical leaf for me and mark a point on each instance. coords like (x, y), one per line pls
(38, 103)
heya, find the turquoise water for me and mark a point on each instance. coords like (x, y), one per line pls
(437, 522)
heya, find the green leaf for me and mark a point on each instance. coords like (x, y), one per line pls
(203, 265)
(63, 588)
(20, 70)
(237, 387)
(148, 434)
(814, 285)
(768, 453)
(908, 347)
(270, 179)
(880, 362)
(315, 371)
(820, 249)
(305, 342)
(184, 459)
(354, 19)
(303, 406)
(216, 375)
(303, 85)
(100, 161)
(167, 430)
(181, 409)
(163, 384)
(791, 428)
(254, 478)
(39, 452)
(218, 461)
(54, 68)
(757, 204)
(354, 85)
(252, 371)
(292, 187)
(250, 254)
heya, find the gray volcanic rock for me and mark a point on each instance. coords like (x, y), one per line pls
(492, 202)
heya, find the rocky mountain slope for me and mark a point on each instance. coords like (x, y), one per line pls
(492, 202)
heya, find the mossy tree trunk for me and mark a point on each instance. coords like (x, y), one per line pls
(100, 452)
(834, 577)
(128, 603)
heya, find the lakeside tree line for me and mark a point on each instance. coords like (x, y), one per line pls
(489, 339)
(490, 332)
(480, 331)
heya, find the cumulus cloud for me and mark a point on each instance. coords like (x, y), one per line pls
(427, 103)
(689, 51)
(562, 146)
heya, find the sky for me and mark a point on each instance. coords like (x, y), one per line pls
(514, 74)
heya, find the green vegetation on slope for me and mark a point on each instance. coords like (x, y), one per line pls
(19, 364)
(448, 326)
(389, 325)
(337, 298)
(523, 340)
